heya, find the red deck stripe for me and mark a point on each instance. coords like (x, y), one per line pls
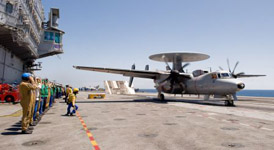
(91, 138)
(96, 147)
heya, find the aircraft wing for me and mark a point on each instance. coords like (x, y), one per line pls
(125, 72)
(249, 75)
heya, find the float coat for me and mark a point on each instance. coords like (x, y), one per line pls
(71, 99)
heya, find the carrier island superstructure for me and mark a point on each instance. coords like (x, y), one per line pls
(25, 36)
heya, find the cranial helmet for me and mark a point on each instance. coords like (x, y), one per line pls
(25, 76)
(75, 90)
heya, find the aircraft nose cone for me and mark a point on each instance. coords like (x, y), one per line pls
(241, 86)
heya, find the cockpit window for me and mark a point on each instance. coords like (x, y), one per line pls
(220, 75)
(225, 75)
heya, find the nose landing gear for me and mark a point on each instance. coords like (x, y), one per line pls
(161, 96)
(229, 101)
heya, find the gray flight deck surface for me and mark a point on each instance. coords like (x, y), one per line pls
(139, 122)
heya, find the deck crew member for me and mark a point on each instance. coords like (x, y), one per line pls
(48, 96)
(33, 98)
(72, 102)
(51, 95)
(44, 94)
(67, 93)
(37, 99)
(41, 106)
(25, 89)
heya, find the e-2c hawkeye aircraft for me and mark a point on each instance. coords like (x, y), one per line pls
(220, 84)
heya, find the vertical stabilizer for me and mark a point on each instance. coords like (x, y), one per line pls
(131, 78)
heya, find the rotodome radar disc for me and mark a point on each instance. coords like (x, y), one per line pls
(179, 56)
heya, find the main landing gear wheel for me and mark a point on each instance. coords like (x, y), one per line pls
(161, 97)
(229, 103)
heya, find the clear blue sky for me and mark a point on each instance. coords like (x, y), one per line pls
(108, 33)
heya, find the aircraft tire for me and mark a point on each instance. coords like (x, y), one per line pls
(229, 103)
(9, 98)
(162, 97)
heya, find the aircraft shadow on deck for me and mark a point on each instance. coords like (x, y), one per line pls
(154, 100)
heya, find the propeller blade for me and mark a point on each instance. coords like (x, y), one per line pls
(228, 65)
(147, 67)
(131, 78)
(167, 65)
(133, 67)
(221, 68)
(235, 67)
(241, 73)
(237, 75)
(185, 65)
(130, 81)
(173, 74)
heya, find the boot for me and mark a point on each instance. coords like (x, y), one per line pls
(30, 128)
(38, 118)
(26, 131)
(32, 124)
(35, 122)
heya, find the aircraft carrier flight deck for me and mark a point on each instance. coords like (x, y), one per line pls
(141, 122)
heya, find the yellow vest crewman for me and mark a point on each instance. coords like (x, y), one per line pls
(71, 102)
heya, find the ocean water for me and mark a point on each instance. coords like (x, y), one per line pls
(253, 93)
(256, 93)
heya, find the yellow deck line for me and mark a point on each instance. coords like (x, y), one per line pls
(15, 114)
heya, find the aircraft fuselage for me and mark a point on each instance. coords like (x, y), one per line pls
(209, 83)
